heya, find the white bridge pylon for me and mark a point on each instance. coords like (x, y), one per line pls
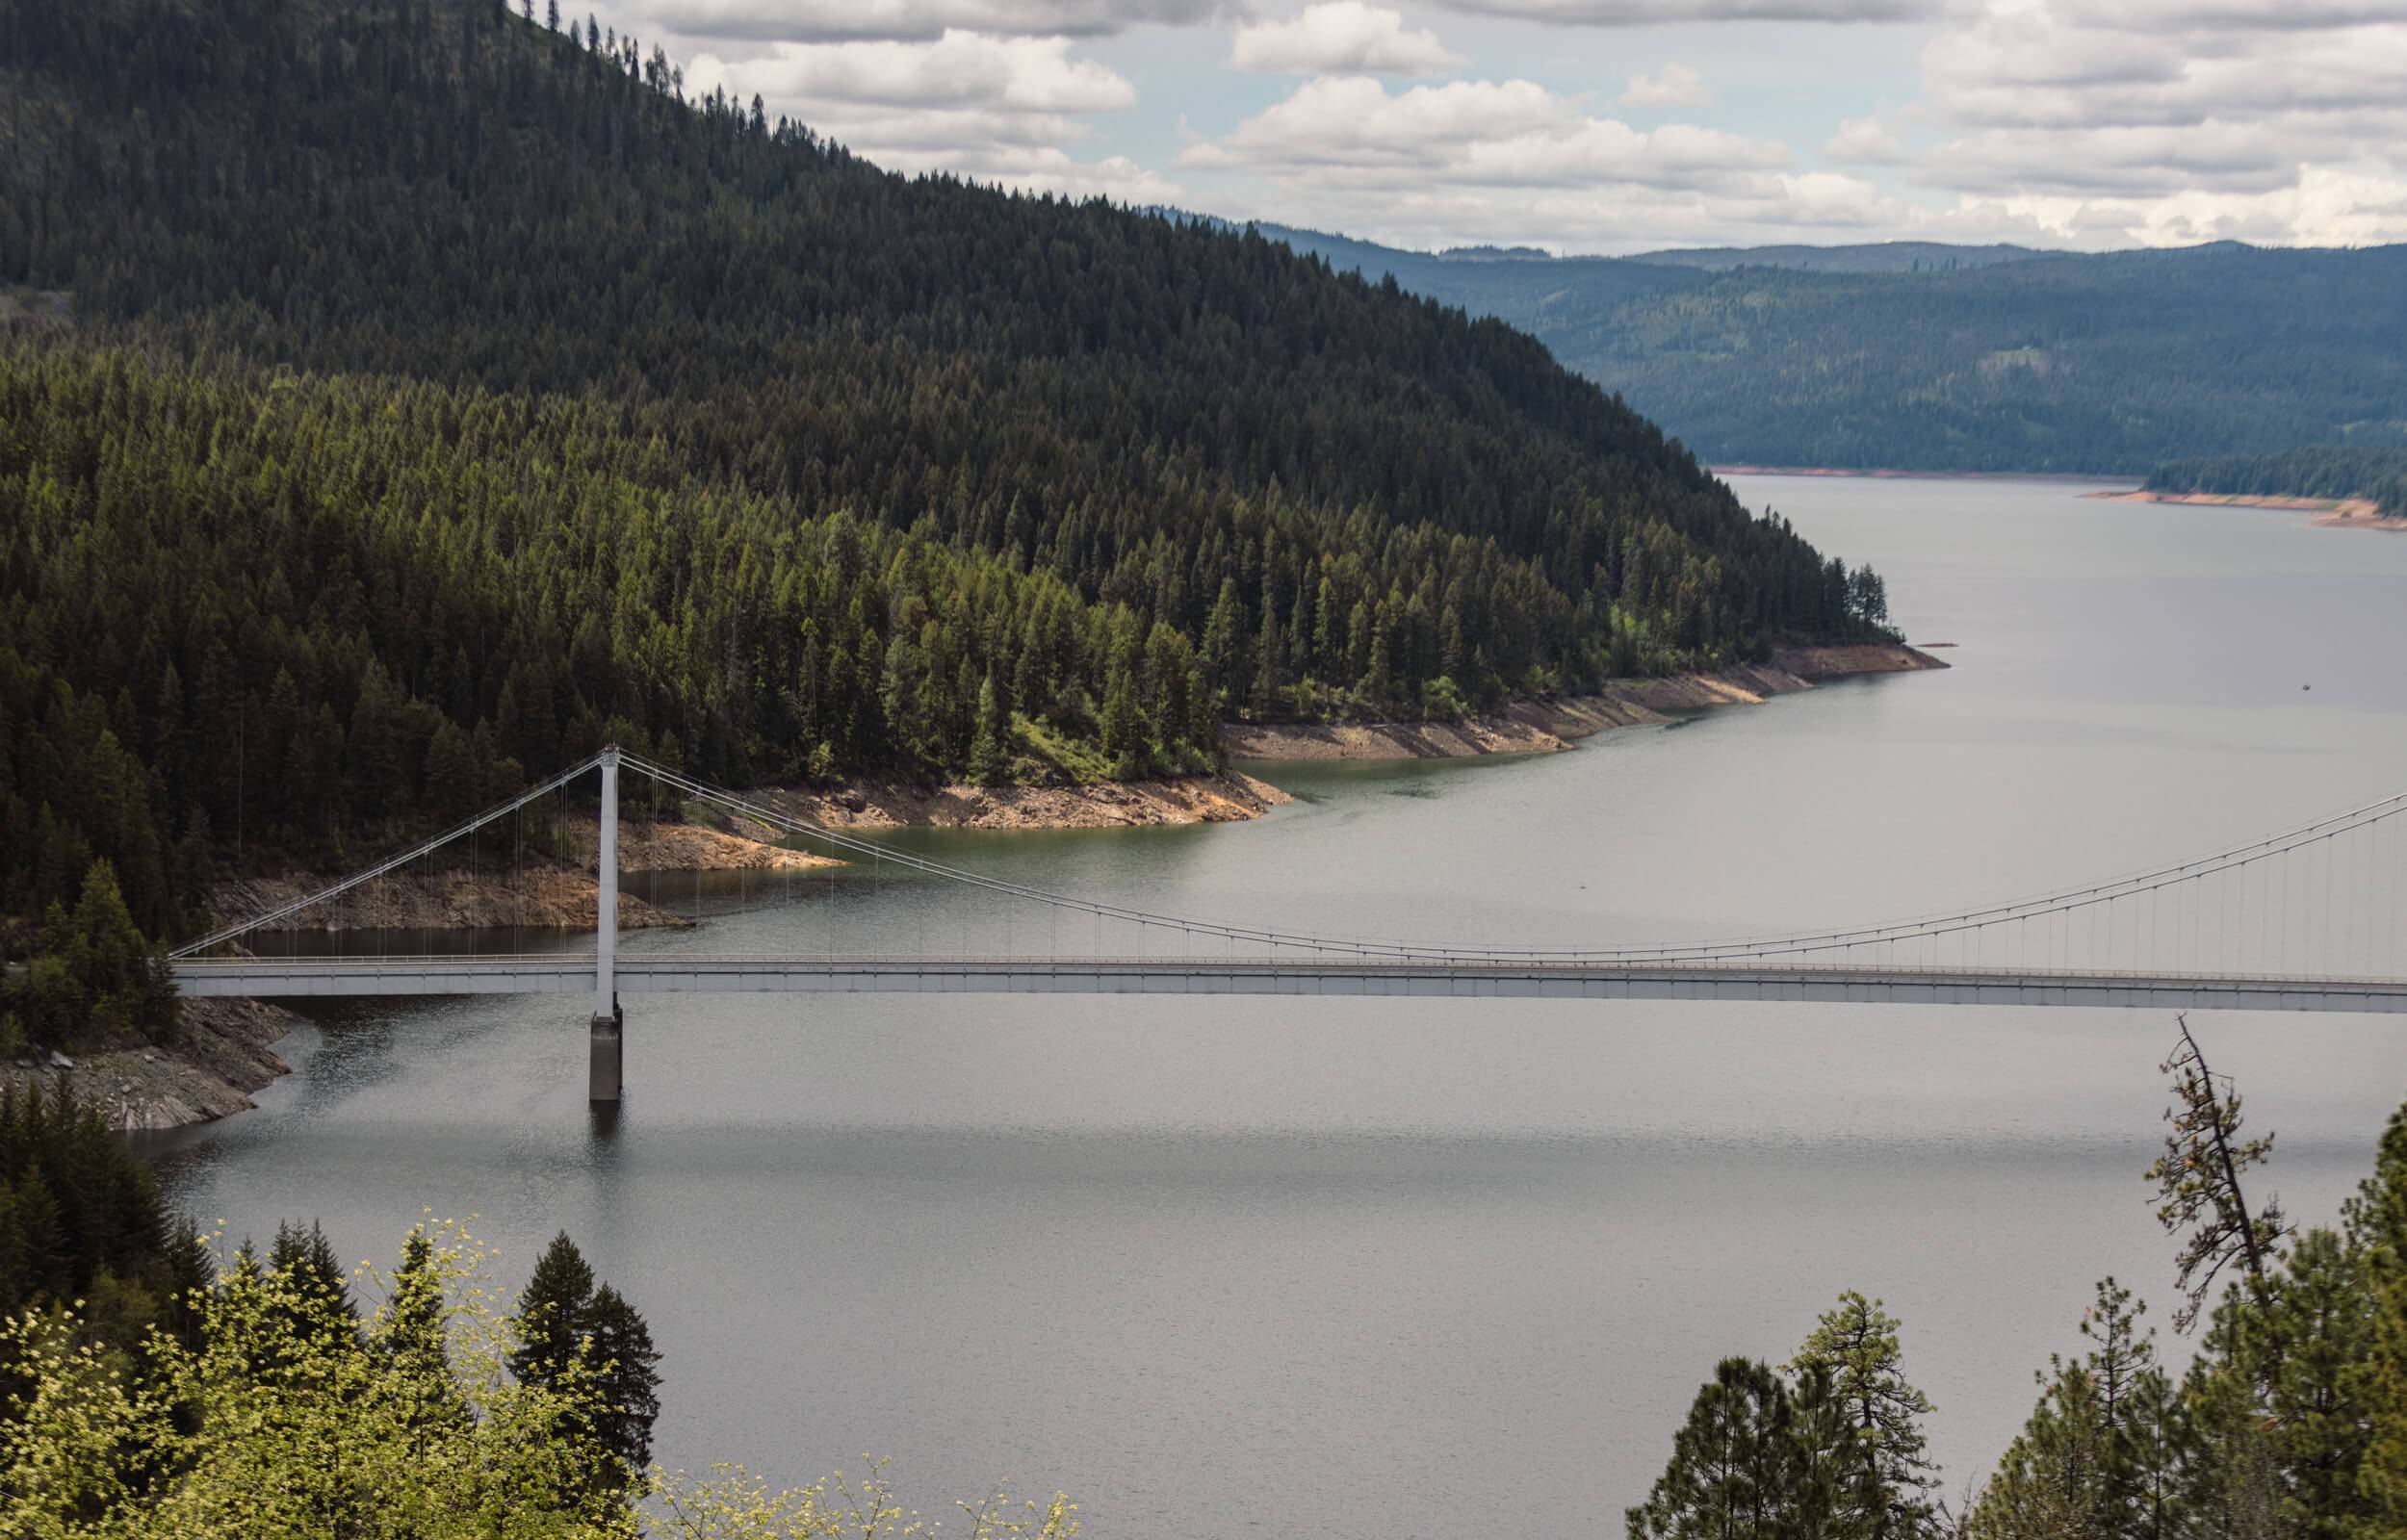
(2308, 919)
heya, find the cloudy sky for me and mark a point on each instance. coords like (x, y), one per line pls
(1615, 125)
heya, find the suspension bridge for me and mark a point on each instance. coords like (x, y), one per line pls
(2307, 919)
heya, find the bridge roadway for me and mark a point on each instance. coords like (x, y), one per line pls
(1436, 978)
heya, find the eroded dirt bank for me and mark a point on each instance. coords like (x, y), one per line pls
(446, 900)
(1543, 727)
(504, 891)
(1107, 805)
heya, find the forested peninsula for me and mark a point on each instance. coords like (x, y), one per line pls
(2361, 483)
(400, 398)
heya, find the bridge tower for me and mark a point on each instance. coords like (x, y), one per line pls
(606, 1062)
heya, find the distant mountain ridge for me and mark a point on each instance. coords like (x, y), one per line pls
(1919, 355)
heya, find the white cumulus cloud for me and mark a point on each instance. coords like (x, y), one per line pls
(910, 21)
(1001, 110)
(1671, 86)
(1865, 142)
(1659, 12)
(1342, 36)
(2169, 120)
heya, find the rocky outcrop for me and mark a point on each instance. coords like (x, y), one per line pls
(223, 1051)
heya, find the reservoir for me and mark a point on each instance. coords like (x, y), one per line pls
(1368, 1267)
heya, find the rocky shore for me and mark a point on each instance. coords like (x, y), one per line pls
(1548, 725)
(224, 1050)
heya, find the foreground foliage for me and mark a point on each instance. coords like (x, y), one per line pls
(2290, 1424)
(1832, 1447)
(280, 1410)
(82, 1218)
(288, 1416)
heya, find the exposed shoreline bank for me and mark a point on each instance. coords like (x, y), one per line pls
(509, 892)
(2334, 513)
(225, 1050)
(1893, 474)
(1229, 797)
(1548, 727)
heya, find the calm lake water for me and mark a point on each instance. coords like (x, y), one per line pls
(1382, 1268)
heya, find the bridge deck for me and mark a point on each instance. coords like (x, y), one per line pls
(1439, 979)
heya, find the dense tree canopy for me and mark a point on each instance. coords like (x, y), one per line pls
(2320, 471)
(407, 395)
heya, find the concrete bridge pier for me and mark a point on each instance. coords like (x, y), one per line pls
(605, 1067)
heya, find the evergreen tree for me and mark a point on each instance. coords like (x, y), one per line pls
(2379, 1218)
(572, 1331)
(2053, 1482)
(1882, 1471)
(988, 764)
(1124, 724)
(552, 1313)
(306, 1261)
(1738, 1471)
(630, 1380)
(2096, 1461)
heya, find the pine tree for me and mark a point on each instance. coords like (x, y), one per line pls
(306, 1261)
(2052, 1483)
(2096, 1461)
(1738, 1470)
(568, 1325)
(2317, 1331)
(1223, 651)
(988, 764)
(1124, 724)
(1883, 1474)
(622, 1352)
(552, 1313)
(2379, 1217)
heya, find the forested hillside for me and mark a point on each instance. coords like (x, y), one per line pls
(2318, 471)
(403, 395)
(1960, 359)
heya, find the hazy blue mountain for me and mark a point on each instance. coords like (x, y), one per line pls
(1918, 355)
(1885, 256)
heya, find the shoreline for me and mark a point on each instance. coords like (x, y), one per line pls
(2337, 513)
(226, 1049)
(1894, 474)
(223, 1053)
(1552, 726)
(1229, 797)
